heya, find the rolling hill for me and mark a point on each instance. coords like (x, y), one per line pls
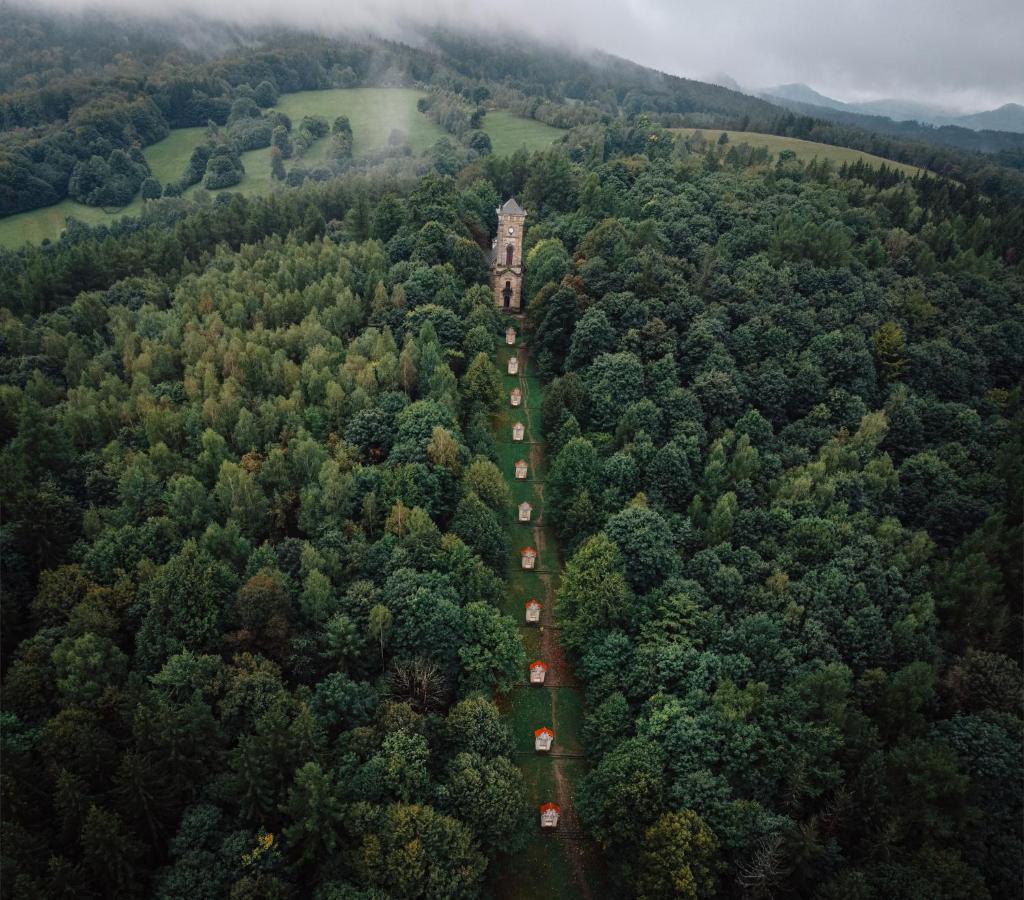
(373, 112)
(533, 89)
(805, 150)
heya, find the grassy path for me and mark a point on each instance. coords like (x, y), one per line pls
(562, 863)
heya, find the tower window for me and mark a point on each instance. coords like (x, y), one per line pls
(508, 255)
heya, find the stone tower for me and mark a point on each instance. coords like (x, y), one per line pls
(507, 257)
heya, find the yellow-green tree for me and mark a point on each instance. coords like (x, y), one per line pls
(678, 859)
(890, 351)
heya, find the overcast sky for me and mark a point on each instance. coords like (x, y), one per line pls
(967, 54)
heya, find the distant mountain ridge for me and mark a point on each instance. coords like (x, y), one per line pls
(799, 93)
(1008, 117)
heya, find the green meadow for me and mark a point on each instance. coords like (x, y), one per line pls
(39, 224)
(509, 132)
(167, 158)
(805, 150)
(373, 112)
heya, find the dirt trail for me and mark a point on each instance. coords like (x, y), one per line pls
(569, 825)
(560, 673)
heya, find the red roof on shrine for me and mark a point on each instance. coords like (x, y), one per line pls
(541, 731)
(539, 665)
(544, 807)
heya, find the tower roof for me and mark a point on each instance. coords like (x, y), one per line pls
(511, 208)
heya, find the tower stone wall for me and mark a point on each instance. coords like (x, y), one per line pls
(507, 257)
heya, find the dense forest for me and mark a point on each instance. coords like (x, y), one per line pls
(789, 461)
(253, 534)
(255, 625)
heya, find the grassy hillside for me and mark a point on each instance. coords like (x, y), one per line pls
(38, 224)
(509, 132)
(804, 150)
(373, 112)
(257, 178)
(167, 158)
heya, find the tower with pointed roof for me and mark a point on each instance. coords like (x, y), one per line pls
(507, 257)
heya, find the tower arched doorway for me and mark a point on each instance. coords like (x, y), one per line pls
(506, 294)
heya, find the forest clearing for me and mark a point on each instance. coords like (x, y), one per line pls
(373, 112)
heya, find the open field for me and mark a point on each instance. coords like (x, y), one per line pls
(805, 150)
(38, 224)
(509, 132)
(373, 112)
(257, 179)
(167, 158)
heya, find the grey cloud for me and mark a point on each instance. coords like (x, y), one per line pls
(939, 51)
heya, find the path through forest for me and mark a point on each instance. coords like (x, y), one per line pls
(561, 864)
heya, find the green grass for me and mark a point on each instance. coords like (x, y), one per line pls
(558, 708)
(256, 181)
(531, 636)
(525, 490)
(523, 586)
(541, 870)
(544, 868)
(544, 872)
(568, 716)
(373, 112)
(167, 158)
(509, 132)
(531, 709)
(805, 150)
(39, 224)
